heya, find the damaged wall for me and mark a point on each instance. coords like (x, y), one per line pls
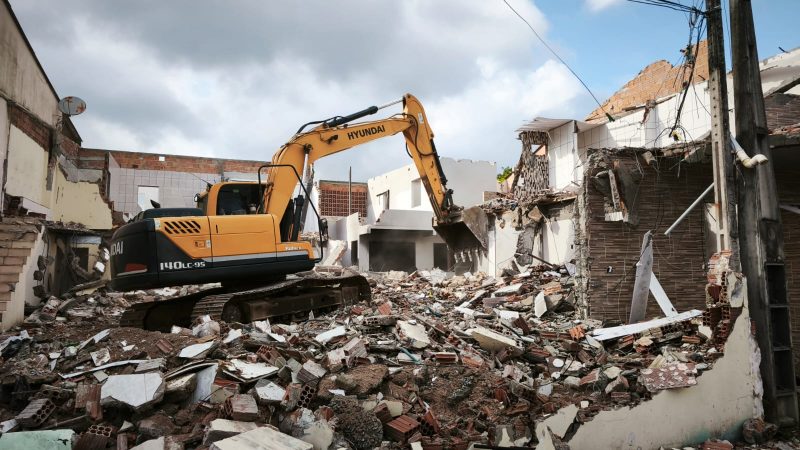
(27, 169)
(786, 162)
(723, 399)
(663, 194)
(80, 202)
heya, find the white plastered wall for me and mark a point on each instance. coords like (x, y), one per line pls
(80, 202)
(562, 157)
(502, 246)
(724, 398)
(27, 168)
(467, 178)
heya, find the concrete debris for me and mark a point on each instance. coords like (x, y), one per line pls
(248, 371)
(267, 392)
(136, 390)
(196, 350)
(413, 334)
(434, 360)
(40, 440)
(262, 438)
(220, 429)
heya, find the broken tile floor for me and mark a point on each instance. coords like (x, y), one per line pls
(435, 361)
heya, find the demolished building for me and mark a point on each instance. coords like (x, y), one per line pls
(432, 360)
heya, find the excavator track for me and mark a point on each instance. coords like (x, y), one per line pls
(292, 299)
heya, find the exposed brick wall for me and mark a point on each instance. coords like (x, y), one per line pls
(678, 262)
(782, 110)
(39, 131)
(333, 199)
(30, 125)
(654, 81)
(788, 183)
(177, 163)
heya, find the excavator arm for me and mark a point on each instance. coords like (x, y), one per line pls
(463, 230)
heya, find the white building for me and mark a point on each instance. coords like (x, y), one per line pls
(397, 233)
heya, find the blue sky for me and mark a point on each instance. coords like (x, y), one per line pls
(609, 46)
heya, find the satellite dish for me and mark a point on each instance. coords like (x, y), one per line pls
(71, 106)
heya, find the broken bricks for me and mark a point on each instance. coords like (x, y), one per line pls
(483, 370)
(35, 413)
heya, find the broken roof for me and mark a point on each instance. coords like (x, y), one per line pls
(544, 124)
(657, 80)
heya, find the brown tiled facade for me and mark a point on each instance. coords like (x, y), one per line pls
(614, 246)
(782, 110)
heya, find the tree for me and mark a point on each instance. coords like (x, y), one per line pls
(505, 172)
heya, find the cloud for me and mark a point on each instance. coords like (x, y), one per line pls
(237, 82)
(599, 5)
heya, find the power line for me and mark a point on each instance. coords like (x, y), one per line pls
(559, 58)
(675, 6)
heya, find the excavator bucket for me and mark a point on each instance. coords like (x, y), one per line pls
(466, 232)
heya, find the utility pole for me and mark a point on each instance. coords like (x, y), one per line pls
(760, 234)
(724, 179)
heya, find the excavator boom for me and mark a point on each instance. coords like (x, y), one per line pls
(245, 235)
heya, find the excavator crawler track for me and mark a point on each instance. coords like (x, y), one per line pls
(292, 299)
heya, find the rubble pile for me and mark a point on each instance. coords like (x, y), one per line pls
(434, 361)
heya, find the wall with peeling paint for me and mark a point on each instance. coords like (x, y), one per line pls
(724, 398)
(80, 202)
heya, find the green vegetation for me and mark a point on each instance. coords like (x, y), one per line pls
(505, 172)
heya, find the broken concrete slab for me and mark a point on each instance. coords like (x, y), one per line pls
(263, 438)
(136, 390)
(508, 290)
(100, 357)
(196, 350)
(558, 423)
(180, 388)
(494, 342)
(151, 365)
(220, 429)
(540, 305)
(414, 334)
(247, 371)
(326, 336)
(39, 440)
(267, 392)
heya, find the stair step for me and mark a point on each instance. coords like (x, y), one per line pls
(9, 277)
(13, 269)
(16, 244)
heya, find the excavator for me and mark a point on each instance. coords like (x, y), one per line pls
(246, 235)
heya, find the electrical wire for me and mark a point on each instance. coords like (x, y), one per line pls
(560, 59)
(675, 6)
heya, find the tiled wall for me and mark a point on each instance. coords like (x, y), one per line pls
(634, 130)
(615, 246)
(562, 156)
(175, 189)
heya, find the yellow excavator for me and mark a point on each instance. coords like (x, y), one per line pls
(246, 234)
